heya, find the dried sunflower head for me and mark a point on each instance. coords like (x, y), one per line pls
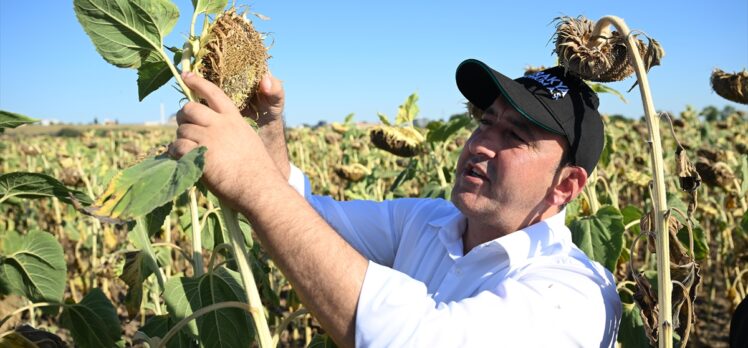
(600, 59)
(733, 87)
(232, 56)
(715, 174)
(352, 172)
(400, 141)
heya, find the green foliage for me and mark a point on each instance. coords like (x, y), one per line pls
(408, 111)
(159, 326)
(322, 341)
(138, 190)
(37, 185)
(602, 88)
(220, 328)
(93, 322)
(33, 265)
(130, 34)
(441, 132)
(12, 120)
(600, 236)
(631, 332)
(209, 6)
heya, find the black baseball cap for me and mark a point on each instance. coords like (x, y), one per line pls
(554, 99)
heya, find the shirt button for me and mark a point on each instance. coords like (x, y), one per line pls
(458, 270)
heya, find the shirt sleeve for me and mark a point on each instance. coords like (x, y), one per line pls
(395, 310)
(374, 229)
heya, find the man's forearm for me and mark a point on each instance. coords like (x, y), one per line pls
(324, 269)
(273, 135)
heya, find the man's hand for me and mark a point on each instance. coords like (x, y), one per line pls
(236, 158)
(266, 107)
(325, 270)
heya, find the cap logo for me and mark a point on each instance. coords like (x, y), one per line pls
(553, 84)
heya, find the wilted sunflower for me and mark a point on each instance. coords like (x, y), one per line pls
(400, 141)
(352, 172)
(605, 60)
(732, 87)
(233, 56)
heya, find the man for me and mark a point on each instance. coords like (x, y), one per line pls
(494, 267)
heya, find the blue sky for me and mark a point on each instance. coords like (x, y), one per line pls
(338, 57)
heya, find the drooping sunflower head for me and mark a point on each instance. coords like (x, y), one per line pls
(352, 172)
(400, 141)
(600, 59)
(233, 56)
(732, 87)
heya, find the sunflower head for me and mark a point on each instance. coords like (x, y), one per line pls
(732, 87)
(400, 141)
(233, 57)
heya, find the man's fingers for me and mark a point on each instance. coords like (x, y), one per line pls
(217, 100)
(272, 89)
(180, 147)
(191, 132)
(195, 113)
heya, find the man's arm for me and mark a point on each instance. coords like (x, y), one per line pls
(325, 271)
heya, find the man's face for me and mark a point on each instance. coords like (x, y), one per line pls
(506, 169)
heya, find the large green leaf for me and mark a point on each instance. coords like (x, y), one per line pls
(228, 327)
(631, 332)
(209, 6)
(150, 184)
(600, 236)
(12, 120)
(93, 322)
(159, 326)
(37, 185)
(127, 32)
(446, 130)
(154, 73)
(135, 271)
(33, 265)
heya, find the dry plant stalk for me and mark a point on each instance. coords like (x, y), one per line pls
(599, 58)
(234, 57)
(733, 87)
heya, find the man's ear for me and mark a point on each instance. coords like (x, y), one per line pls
(569, 184)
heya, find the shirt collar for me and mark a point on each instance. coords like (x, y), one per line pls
(518, 246)
(533, 240)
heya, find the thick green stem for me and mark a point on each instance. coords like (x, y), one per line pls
(197, 243)
(665, 286)
(264, 338)
(140, 233)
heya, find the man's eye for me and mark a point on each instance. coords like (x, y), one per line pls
(484, 122)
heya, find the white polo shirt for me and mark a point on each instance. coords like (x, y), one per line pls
(531, 288)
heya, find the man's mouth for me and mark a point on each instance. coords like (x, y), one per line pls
(475, 172)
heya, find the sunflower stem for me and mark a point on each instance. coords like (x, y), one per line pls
(197, 243)
(230, 217)
(664, 291)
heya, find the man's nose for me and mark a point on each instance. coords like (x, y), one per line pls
(481, 146)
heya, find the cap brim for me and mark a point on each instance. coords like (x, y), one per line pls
(481, 85)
